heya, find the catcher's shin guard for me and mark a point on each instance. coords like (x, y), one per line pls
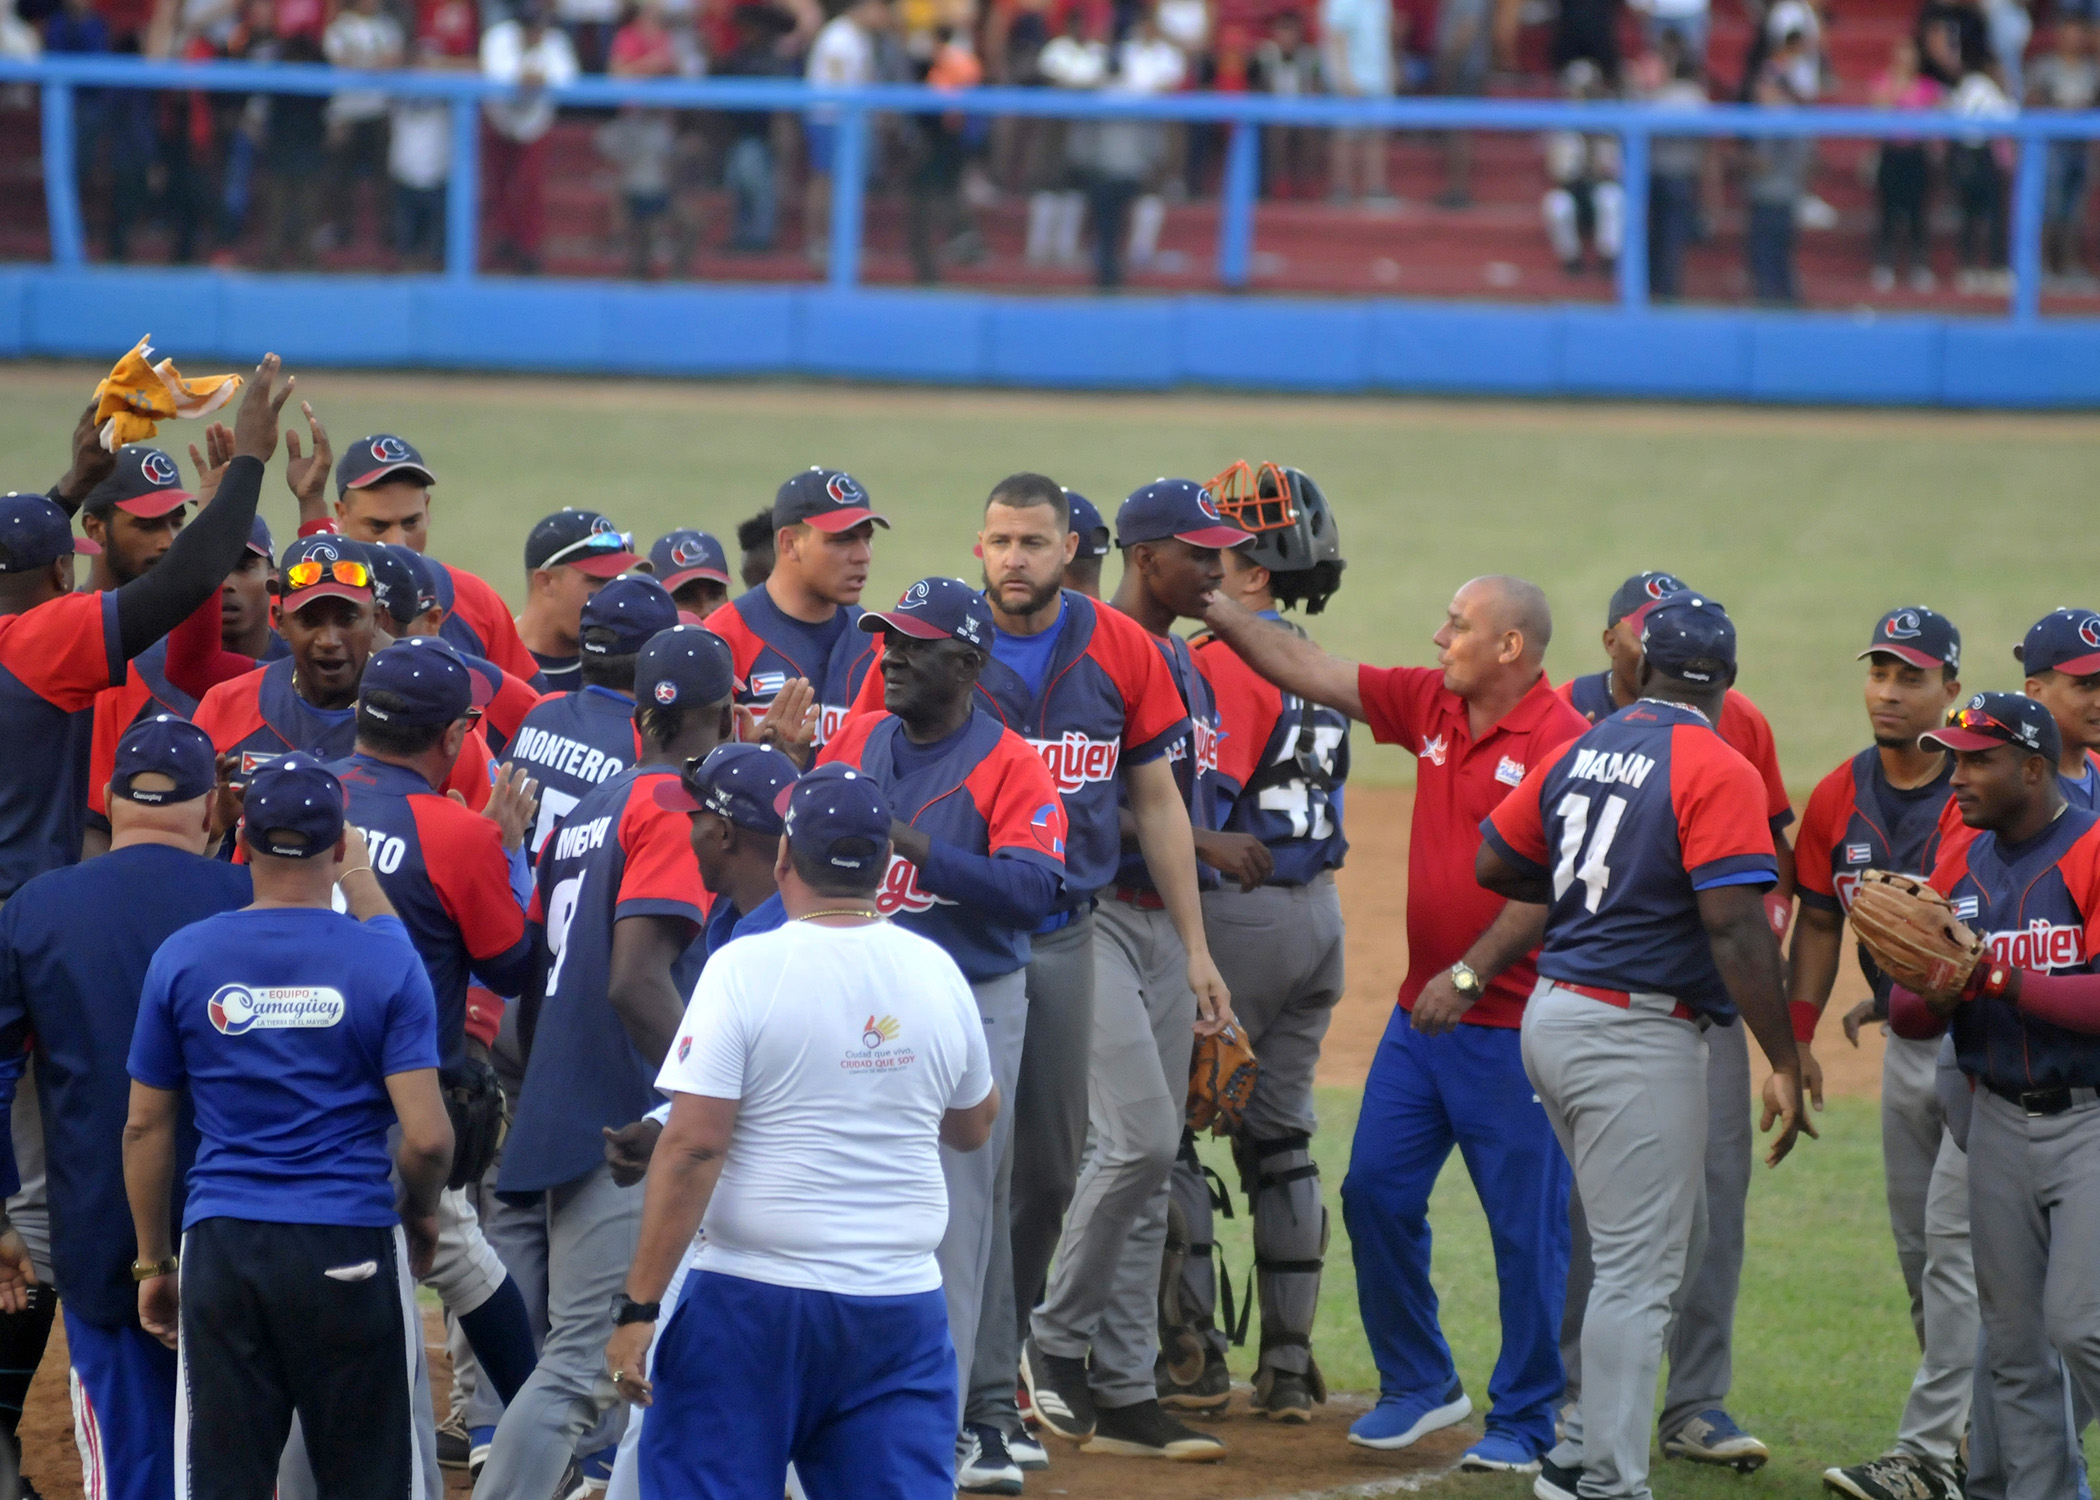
(1188, 1282)
(1290, 1246)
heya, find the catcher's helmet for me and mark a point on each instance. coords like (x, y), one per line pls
(1295, 536)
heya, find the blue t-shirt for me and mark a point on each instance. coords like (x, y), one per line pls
(767, 915)
(1029, 655)
(284, 1025)
(2082, 792)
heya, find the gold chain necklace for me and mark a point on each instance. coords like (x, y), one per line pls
(841, 911)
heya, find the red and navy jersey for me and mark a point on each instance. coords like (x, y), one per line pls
(1281, 763)
(479, 623)
(1742, 725)
(1108, 700)
(987, 794)
(2037, 907)
(1954, 834)
(616, 855)
(1194, 757)
(1855, 822)
(767, 647)
(144, 691)
(1632, 821)
(261, 715)
(444, 869)
(54, 660)
(569, 744)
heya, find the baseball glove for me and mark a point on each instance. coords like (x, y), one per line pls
(1913, 935)
(474, 1100)
(1221, 1081)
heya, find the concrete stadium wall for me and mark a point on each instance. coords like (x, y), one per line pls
(1126, 342)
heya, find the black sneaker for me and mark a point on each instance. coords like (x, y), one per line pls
(1058, 1392)
(1897, 1476)
(1145, 1431)
(454, 1448)
(1556, 1482)
(1289, 1398)
(1209, 1392)
(987, 1468)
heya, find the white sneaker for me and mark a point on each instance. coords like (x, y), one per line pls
(987, 1468)
(1813, 213)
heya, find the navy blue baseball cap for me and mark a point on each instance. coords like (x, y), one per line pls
(831, 805)
(1179, 508)
(634, 609)
(1989, 720)
(828, 499)
(145, 482)
(1639, 592)
(1087, 524)
(433, 684)
(396, 588)
(2064, 640)
(325, 566)
(582, 539)
(259, 540)
(293, 808)
(1917, 635)
(678, 557)
(1690, 637)
(935, 609)
(747, 784)
(164, 745)
(34, 533)
(686, 664)
(380, 456)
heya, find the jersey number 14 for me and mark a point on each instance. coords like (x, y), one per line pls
(1595, 870)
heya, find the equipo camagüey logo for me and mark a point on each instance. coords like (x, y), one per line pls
(878, 1051)
(238, 1009)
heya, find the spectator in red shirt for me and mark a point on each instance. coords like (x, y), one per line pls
(1449, 1070)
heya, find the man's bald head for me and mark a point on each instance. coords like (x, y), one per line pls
(1494, 637)
(1520, 605)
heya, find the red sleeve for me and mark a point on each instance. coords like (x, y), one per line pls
(115, 708)
(513, 701)
(850, 741)
(1716, 795)
(232, 711)
(1566, 693)
(1396, 701)
(660, 878)
(1248, 707)
(1951, 860)
(2081, 874)
(483, 608)
(1019, 801)
(1744, 727)
(470, 773)
(744, 647)
(868, 700)
(1152, 706)
(1829, 811)
(65, 650)
(1519, 821)
(1911, 1018)
(197, 659)
(468, 869)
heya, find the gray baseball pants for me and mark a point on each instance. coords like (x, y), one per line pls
(2034, 1195)
(1625, 1091)
(1103, 1296)
(1040, 1165)
(977, 1209)
(1280, 950)
(591, 1227)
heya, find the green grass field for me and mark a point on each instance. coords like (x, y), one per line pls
(1806, 524)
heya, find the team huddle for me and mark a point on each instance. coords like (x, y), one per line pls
(777, 1030)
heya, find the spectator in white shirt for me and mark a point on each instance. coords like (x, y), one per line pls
(361, 36)
(419, 162)
(1356, 39)
(533, 57)
(817, 1072)
(841, 57)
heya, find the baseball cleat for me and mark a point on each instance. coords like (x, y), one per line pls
(1711, 1437)
(1027, 1451)
(1289, 1398)
(1209, 1392)
(1499, 1453)
(1144, 1430)
(1556, 1482)
(1058, 1390)
(1402, 1421)
(987, 1468)
(454, 1448)
(1895, 1476)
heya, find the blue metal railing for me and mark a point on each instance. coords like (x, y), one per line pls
(1636, 126)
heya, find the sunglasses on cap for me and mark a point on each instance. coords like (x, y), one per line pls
(1254, 499)
(310, 571)
(1984, 722)
(597, 541)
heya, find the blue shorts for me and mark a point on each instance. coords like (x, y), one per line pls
(859, 1393)
(123, 1410)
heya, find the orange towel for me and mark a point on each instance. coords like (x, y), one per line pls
(138, 395)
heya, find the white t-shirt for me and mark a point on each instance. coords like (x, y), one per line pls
(505, 57)
(354, 40)
(844, 1047)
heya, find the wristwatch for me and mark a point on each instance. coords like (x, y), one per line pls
(626, 1310)
(147, 1270)
(1467, 981)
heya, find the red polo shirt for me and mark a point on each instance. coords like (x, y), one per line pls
(1458, 783)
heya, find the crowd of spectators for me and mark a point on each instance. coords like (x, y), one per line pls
(285, 177)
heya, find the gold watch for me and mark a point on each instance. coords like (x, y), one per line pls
(147, 1270)
(1467, 981)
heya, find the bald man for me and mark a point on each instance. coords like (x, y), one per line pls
(1448, 1070)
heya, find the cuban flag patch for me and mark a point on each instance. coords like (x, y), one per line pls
(1859, 854)
(1965, 908)
(767, 684)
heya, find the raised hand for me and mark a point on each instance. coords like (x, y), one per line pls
(307, 474)
(255, 424)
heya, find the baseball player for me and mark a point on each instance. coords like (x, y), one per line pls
(1091, 1356)
(1881, 810)
(1281, 761)
(619, 899)
(1643, 838)
(404, 593)
(1695, 1424)
(1086, 687)
(754, 540)
(568, 557)
(1083, 573)
(1448, 1070)
(300, 1037)
(2024, 1010)
(75, 990)
(2061, 654)
(692, 566)
(244, 599)
(977, 862)
(382, 491)
(798, 622)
